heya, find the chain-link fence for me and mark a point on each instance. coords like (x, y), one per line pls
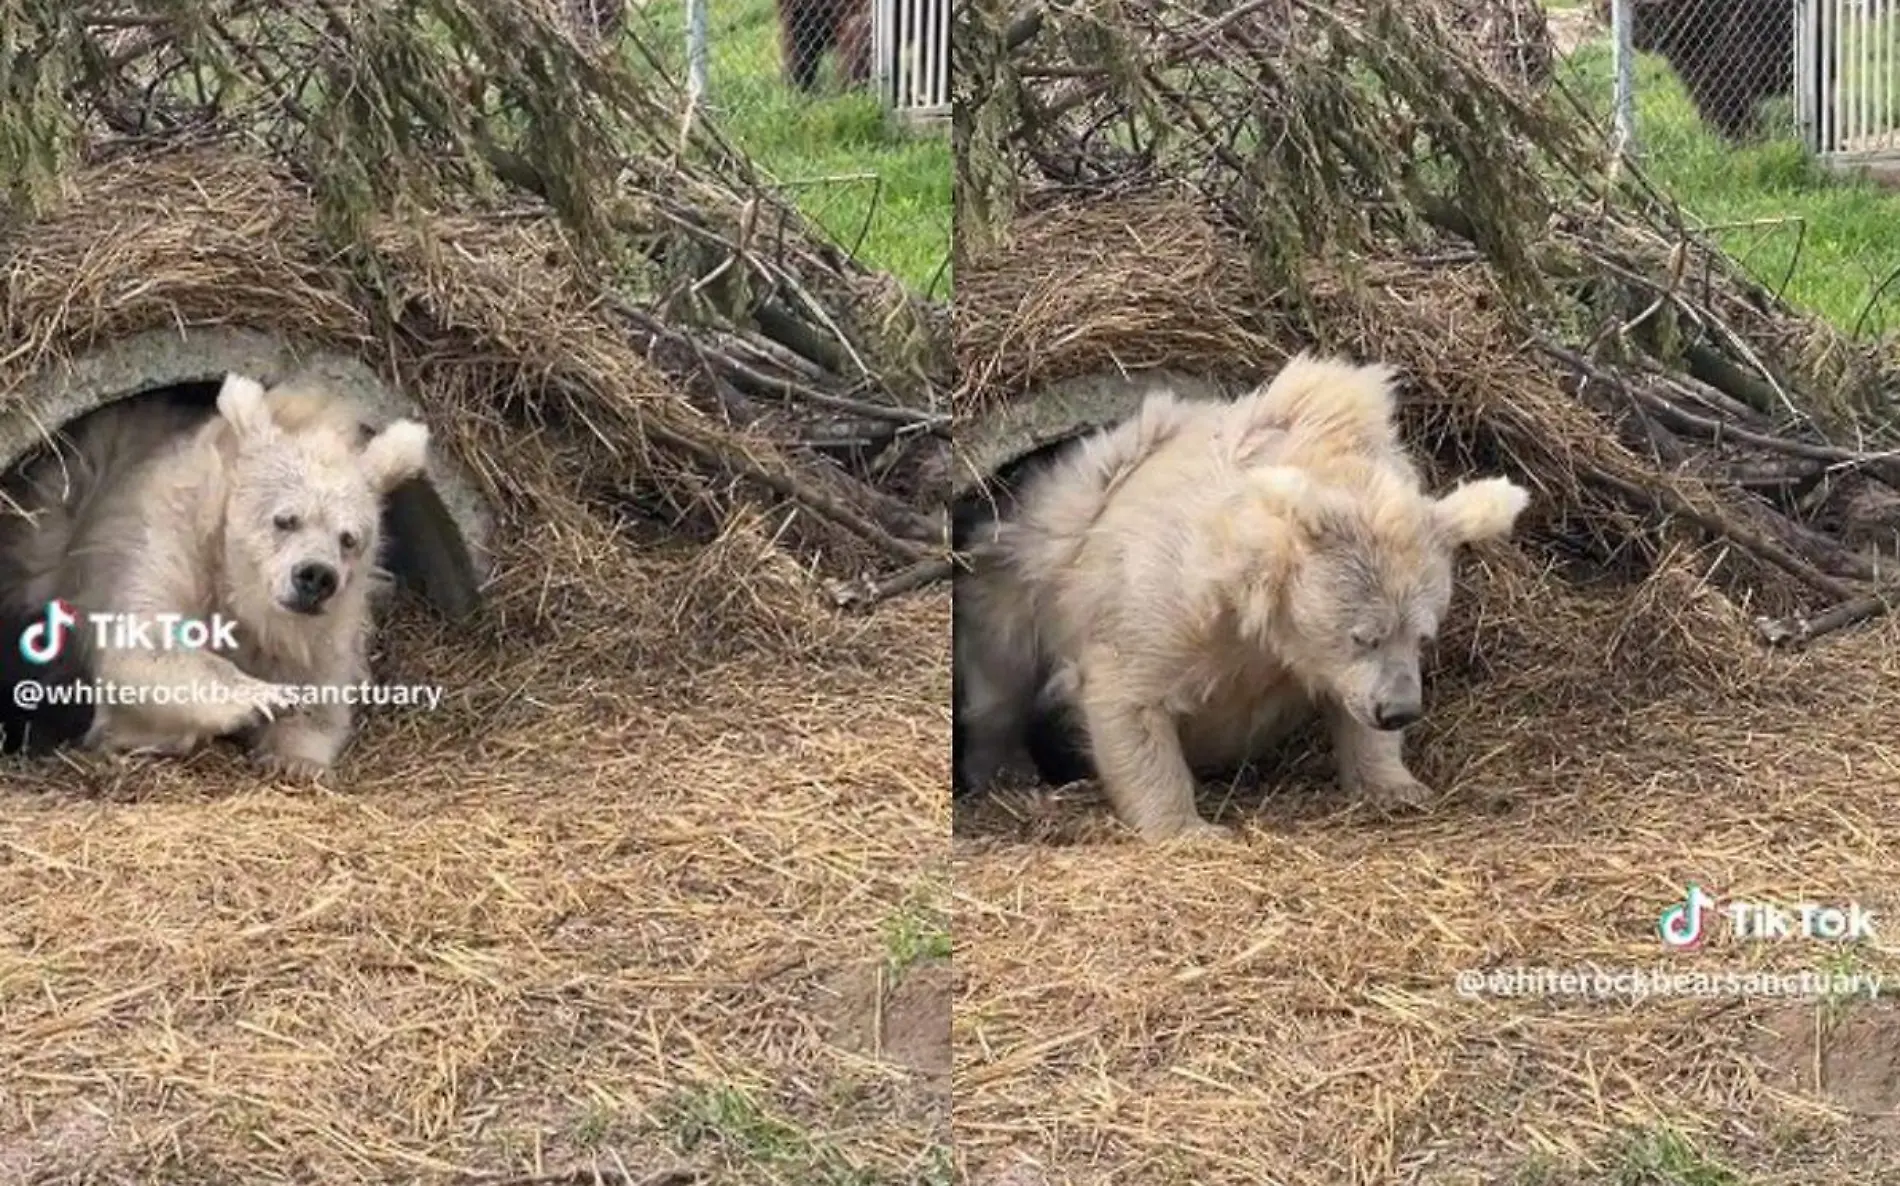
(813, 92)
(752, 47)
(1664, 69)
(1825, 73)
(740, 54)
(1774, 125)
(1733, 59)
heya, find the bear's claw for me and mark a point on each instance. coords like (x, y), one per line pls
(292, 768)
(1410, 795)
(1186, 830)
(269, 701)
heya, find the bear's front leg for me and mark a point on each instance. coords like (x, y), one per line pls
(1372, 764)
(1137, 750)
(186, 694)
(304, 745)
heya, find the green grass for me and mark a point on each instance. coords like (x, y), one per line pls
(728, 1123)
(1655, 1156)
(1826, 241)
(880, 189)
(592, 1130)
(1538, 1169)
(918, 931)
(1663, 1158)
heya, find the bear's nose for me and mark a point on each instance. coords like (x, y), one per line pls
(313, 582)
(1395, 716)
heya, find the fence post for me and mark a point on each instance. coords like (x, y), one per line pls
(1807, 96)
(1623, 57)
(696, 49)
(881, 35)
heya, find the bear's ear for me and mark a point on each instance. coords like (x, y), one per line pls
(1320, 512)
(1480, 510)
(395, 455)
(241, 403)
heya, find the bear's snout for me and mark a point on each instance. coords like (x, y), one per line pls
(1396, 716)
(311, 584)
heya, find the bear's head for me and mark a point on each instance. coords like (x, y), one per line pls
(304, 496)
(1356, 581)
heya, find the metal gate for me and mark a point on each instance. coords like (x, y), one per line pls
(911, 40)
(1847, 77)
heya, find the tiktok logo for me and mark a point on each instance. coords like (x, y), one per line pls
(43, 641)
(1681, 925)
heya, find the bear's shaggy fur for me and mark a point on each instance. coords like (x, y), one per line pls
(1196, 579)
(267, 515)
(808, 29)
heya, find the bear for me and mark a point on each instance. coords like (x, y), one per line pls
(1731, 55)
(809, 28)
(1007, 690)
(1193, 582)
(266, 515)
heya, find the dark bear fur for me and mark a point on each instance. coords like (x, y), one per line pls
(1053, 735)
(1730, 54)
(808, 29)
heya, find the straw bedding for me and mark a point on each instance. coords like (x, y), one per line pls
(1603, 716)
(490, 322)
(615, 883)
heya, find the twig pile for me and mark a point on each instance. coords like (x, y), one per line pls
(790, 370)
(1177, 187)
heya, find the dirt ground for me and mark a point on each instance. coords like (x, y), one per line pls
(1283, 1009)
(672, 898)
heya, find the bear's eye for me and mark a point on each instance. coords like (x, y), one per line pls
(285, 522)
(1366, 640)
(348, 540)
